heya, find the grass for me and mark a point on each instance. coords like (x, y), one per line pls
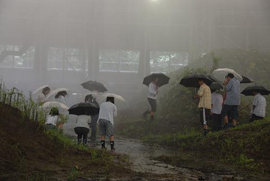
(245, 146)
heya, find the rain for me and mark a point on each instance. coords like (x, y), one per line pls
(146, 72)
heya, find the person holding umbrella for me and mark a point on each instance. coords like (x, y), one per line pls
(106, 121)
(94, 118)
(152, 96)
(232, 100)
(41, 99)
(258, 108)
(83, 110)
(60, 97)
(82, 128)
(204, 94)
(217, 101)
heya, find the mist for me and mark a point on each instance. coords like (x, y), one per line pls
(63, 43)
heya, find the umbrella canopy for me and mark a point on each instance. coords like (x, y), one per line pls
(94, 86)
(216, 86)
(220, 74)
(53, 93)
(120, 102)
(250, 89)
(246, 80)
(48, 105)
(162, 79)
(192, 80)
(84, 108)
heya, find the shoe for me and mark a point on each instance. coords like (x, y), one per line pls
(113, 149)
(104, 148)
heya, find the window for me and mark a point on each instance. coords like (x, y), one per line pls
(119, 61)
(26, 60)
(66, 58)
(167, 62)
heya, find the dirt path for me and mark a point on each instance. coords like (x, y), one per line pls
(141, 156)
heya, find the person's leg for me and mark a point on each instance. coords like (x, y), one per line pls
(219, 122)
(153, 109)
(102, 131)
(110, 134)
(79, 135)
(148, 111)
(234, 115)
(215, 122)
(203, 120)
(224, 116)
(85, 134)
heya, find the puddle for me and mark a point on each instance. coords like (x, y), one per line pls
(141, 156)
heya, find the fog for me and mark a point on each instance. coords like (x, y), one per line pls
(63, 43)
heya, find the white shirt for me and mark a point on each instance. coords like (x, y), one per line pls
(52, 120)
(61, 99)
(41, 98)
(152, 91)
(217, 100)
(83, 121)
(260, 104)
(107, 111)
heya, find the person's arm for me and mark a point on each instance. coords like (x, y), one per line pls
(201, 92)
(229, 86)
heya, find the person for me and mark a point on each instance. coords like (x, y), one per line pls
(204, 94)
(82, 128)
(258, 108)
(52, 119)
(60, 97)
(94, 118)
(152, 96)
(107, 113)
(217, 101)
(41, 99)
(232, 100)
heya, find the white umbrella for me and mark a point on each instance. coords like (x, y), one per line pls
(53, 93)
(39, 90)
(120, 102)
(62, 107)
(220, 74)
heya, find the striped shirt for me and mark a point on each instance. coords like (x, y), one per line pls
(205, 97)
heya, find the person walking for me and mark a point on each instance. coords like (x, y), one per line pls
(204, 94)
(232, 100)
(152, 96)
(107, 113)
(82, 128)
(258, 108)
(217, 101)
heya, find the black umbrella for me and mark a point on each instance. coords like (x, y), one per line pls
(84, 108)
(246, 80)
(192, 80)
(94, 86)
(250, 89)
(162, 79)
(216, 86)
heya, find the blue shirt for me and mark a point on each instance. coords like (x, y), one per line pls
(233, 93)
